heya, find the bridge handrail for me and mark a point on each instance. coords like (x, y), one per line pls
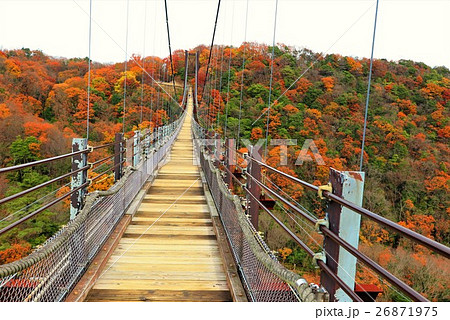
(433, 245)
(417, 237)
(43, 161)
(256, 243)
(52, 269)
(15, 196)
(338, 240)
(38, 255)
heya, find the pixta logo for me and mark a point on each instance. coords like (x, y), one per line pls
(228, 150)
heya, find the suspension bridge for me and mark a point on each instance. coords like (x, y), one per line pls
(172, 227)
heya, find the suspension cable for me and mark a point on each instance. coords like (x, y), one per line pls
(242, 78)
(210, 49)
(143, 60)
(216, 64)
(89, 72)
(368, 89)
(126, 70)
(271, 77)
(121, 48)
(170, 50)
(211, 99)
(153, 70)
(220, 78)
(225, 14)
(319, 56)
(229, 72)
(290, 197)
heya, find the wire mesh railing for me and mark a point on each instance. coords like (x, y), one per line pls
(51, 271)
(263, 277)
(328, 259)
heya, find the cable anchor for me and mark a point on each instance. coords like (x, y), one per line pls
(319, 256)
(322, 222)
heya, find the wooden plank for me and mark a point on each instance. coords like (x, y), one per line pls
(166, 219)
(153, 197)
(180, 183)
(174, 275)
(173, 242)
(198, 267)
(133, 252)
(137, 259)
(174, 232)
(181, 229)
(168, 248)
(166, 237)
(157, 208)
(172, 214)
(131, 284)
(173, 224)
(159, 295)
(169, 191)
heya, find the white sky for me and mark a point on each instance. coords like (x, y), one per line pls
(407, 29)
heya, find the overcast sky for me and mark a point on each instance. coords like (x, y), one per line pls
(407, 29)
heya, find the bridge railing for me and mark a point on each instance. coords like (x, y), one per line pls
(263, 277)
(323, 227)
(325, 260)
(51, 270)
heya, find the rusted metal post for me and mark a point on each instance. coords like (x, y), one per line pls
(344, 223)
(230, 159)
(78, 161)
(118, 156)
(254, 171)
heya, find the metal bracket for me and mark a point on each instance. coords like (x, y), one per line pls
(322, 222)
(319, 256)
(326, 187)
(90, 148)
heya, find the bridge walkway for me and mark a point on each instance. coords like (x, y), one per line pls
(169, 251)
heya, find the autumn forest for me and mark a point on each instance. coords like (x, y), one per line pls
(43, 106)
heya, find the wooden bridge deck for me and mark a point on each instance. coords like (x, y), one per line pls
(169, 252)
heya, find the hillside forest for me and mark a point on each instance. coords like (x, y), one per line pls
(43, 106)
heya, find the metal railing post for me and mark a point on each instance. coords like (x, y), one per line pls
(217, 149)
(148, 143)
(136, 148)
(159, 137)
(346, 224)
(78, 161)
(153, 138)
(254, 171)
(230, 159)
(118, 156)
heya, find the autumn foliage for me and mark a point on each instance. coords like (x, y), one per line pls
(43, 106)
(406, 156)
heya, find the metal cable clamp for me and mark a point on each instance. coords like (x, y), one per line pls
(326, 187)
(319, 256)
(322, 222)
